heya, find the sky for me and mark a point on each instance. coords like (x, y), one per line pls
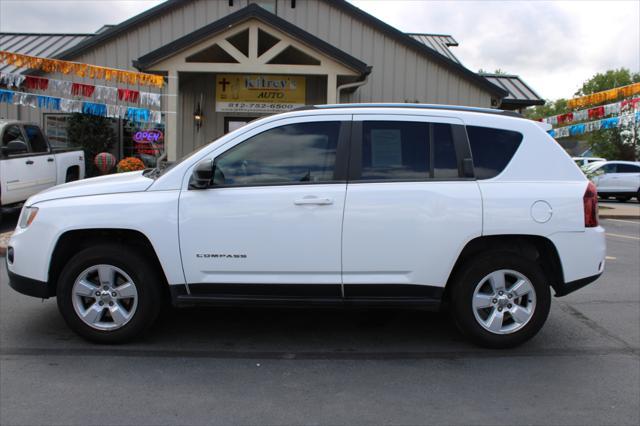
(553, 45)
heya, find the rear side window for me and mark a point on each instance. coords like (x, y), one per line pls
(36, 139)
(492, 149)
(407, 150)
(395, 150)
(628, 168)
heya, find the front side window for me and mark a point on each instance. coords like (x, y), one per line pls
(36, 139)
(290, 154)
(610, 168)
(12, 133)
(492, 149)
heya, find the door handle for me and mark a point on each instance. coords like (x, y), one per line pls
(307, 201)
(50, 160)
(28, 162)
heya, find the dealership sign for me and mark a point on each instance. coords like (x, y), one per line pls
(259, 93)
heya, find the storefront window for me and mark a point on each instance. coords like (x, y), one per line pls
(143, 140)
(55, 127)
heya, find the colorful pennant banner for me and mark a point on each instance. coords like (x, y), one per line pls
(139, 115)
(591, 113)
(607, 95)
(592, 126)
(80, 70)
(104, 94)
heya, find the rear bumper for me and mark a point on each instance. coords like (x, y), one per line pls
(29, 286)
(570, 287)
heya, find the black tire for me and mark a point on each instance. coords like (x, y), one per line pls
(472, 273)
(146, 279)
(623, 199)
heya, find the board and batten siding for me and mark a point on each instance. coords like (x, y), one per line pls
(400, 73)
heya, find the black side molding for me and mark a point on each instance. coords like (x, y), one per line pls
(570, 287)
(29, 286)
(308, 295)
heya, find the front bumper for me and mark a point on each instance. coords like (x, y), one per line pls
(29, 286)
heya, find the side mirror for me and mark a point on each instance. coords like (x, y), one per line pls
(467, 167)
(15, 147)
(202, 175)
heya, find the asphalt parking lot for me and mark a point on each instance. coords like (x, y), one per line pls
(248, 366)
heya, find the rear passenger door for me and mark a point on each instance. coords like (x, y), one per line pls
(409, 207)
(628, 178)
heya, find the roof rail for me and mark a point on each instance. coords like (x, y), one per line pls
(416, 106)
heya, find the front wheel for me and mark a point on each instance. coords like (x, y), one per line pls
(500, 299)
(109, 294)
(623, 199)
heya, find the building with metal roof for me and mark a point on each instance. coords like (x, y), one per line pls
(217, 56)
(520, 94)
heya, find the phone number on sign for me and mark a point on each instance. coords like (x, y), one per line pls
(255, 107)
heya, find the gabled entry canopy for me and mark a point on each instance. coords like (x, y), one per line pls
(251, 39)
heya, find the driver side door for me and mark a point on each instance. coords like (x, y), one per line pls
(272, 215)
(16, 171)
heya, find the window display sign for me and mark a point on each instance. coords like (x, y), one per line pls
(149, 142)
(259, 93)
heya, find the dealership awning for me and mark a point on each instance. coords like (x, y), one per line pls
(521, 95)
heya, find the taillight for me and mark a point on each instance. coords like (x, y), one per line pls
(590, 201)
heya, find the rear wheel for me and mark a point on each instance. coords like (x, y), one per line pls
(500, 299)
(109, 294)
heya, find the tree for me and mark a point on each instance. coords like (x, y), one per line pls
(94, 134)
(549, 109)
(608, 80)
(614, 144)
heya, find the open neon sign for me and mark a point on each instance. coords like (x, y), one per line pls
(148, 136)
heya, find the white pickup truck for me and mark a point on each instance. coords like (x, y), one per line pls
(28, 163)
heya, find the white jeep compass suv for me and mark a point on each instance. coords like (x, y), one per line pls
(354, 205)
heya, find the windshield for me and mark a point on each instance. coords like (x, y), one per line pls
(163, 168)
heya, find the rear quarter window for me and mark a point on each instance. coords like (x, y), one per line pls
(492, 149)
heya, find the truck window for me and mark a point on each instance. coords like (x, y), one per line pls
(36, 139)
(12, 133)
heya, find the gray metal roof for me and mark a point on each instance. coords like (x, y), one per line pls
(438, 42)
(520, 94)
(37, 44)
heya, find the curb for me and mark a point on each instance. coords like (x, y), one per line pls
(619, 216)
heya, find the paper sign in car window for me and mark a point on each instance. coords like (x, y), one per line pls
(386, 148)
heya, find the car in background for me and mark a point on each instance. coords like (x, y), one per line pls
(619, 179)
(29, 164)
(585, 161)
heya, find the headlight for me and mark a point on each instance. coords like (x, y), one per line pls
(27, 217)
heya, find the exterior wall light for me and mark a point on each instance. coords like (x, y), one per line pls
(197, 117)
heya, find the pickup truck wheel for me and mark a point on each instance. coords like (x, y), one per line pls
(500, 299)
(109, 294)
